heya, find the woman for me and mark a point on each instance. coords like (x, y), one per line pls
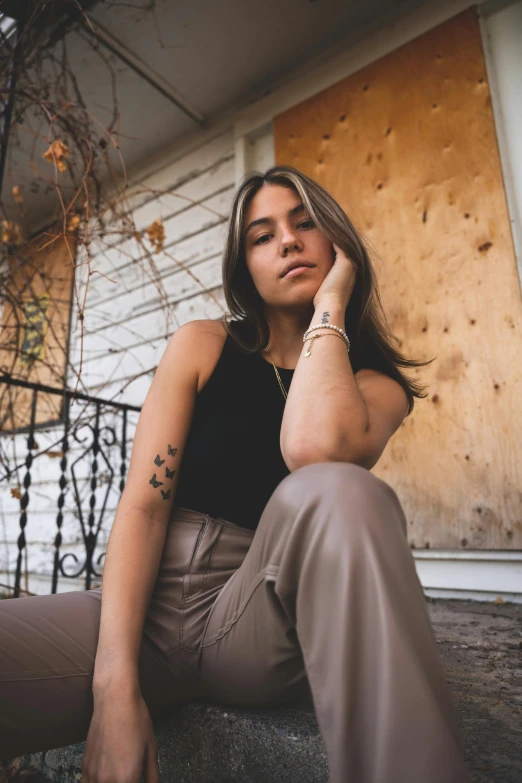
(283, 561)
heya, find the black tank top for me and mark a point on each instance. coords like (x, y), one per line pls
(232, 460)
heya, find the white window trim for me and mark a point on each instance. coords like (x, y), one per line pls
(476, 574)
(503, 56)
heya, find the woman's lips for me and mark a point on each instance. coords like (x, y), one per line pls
(297, 271)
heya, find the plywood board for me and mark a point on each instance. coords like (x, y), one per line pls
(35, 328)
(408, 147)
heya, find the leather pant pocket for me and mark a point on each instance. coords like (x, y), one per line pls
(194, 578)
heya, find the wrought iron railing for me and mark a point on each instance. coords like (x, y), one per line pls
(94, 438)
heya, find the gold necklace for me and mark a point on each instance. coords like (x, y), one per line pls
(306, 354)
(278, 376)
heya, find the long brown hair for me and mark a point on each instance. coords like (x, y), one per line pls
(372, 342)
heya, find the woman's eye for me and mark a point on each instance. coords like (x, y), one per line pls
(305, 224)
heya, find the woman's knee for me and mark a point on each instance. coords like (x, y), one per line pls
(333, 479)
(361, 497)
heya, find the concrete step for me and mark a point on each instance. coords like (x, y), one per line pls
(205, 743)
(480, 647)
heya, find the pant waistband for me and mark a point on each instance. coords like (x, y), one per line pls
(190, 514)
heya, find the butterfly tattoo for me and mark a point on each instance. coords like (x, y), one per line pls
(159, 461)
(166, 495)
(169, 473)
(155, 483)
(171, 451)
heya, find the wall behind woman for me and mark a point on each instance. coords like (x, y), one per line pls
(408, 147)
(126, 330)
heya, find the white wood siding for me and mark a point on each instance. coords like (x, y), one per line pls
(127, 328)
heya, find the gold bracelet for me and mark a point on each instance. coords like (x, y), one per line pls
(322, 334)
(328, 326)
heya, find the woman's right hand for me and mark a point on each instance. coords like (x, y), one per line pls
(121, 746)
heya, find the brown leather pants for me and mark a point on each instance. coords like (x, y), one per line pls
(324, 595)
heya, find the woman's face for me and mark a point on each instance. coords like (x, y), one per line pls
(285, 233)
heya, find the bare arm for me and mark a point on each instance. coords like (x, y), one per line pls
(357, 414)
(337, 425)
(140, 525)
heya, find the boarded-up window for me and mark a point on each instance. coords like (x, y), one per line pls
(34, 338)
(407, 146)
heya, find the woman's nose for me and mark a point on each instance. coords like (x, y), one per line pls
(289, 241)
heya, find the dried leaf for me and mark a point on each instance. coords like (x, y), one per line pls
(17, 195)
(156, 234)
(15, 492)
(74, 222)
(54, 454)
(12, 233)
(57, 153)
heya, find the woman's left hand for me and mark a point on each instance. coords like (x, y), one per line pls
(339, 281)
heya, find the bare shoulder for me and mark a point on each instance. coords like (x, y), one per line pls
(205, 326)
(206, 338)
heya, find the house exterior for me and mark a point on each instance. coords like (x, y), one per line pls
(415, 129)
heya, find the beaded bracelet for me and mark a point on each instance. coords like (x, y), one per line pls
(329, 326)
(323, 334)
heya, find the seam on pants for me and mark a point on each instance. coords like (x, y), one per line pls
(199, 539)
(316, 691)
(233, 526)
(186, 599)
(66, 669)
(201, 533)
(50, 674)
(269, 570)
(79, 673)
